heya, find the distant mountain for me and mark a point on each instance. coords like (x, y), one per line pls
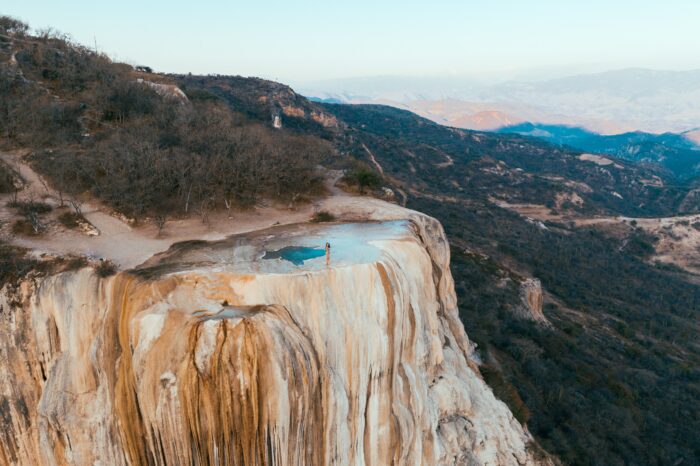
(329, 100)
(631, 83)
(490, 116)
(486, 119)
(693, 135)
(467, 115)
(675, 152)
(395, 88)
(610, 102)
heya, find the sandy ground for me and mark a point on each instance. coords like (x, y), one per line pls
(129, 245)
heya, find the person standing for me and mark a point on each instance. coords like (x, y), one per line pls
(328, 254)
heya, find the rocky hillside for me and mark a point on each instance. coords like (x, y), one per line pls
(261, 100)
(430, 159)
(609, 373)
(135, 140)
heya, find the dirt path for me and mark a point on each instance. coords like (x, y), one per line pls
(374, 161)
(129, 245)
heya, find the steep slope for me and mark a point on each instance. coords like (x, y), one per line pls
(211, 353)
(135, 140)
(614, 378)
(262, 100)
(417, 152)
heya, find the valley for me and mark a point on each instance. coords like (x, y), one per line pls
(675, 240)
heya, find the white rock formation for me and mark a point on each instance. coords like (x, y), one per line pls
(165, 90)
(531, 300)
(211, 354)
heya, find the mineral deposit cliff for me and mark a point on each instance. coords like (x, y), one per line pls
(229, 353)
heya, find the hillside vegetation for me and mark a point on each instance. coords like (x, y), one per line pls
(99, 126)
(615, 379)
(8, 178)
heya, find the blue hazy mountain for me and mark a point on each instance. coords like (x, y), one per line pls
(675, 152)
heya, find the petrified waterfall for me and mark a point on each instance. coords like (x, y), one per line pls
(212, 354)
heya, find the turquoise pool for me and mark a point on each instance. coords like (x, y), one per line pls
(295, 254)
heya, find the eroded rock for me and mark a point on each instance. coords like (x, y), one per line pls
(209, 354)
(531, 299)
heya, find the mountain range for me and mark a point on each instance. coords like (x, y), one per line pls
(679, 153)
(608, 103)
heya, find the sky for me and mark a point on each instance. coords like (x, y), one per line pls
(303, 41)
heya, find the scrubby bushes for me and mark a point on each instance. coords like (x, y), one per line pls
(71, 220)
(506, 392)
(8, 179)
(14, 263)
(49, 87)
(30, 207)
(323, 216)
(106, 268)
(32, 223)
(12, 26)
(187, 159)
(363, 177)
(96, 128)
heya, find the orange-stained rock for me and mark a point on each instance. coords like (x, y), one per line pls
(211, 354)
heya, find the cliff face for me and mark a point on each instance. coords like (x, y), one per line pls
(211, 354)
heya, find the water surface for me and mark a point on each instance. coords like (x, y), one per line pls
(295, 254)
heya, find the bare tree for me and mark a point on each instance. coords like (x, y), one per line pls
(228, 204)
(60, 197)
(187, 200)
(34, 220)
(204, 207)
(43, 183)
(29, 208)
(160, 221)
(59, 175)
(77, 205)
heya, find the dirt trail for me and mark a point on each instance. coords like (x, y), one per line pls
(677, 238)
(374, 161)
(129, 245)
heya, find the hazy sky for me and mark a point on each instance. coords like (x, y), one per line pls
(296, 41)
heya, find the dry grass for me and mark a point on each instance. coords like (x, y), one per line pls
(24, 228)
